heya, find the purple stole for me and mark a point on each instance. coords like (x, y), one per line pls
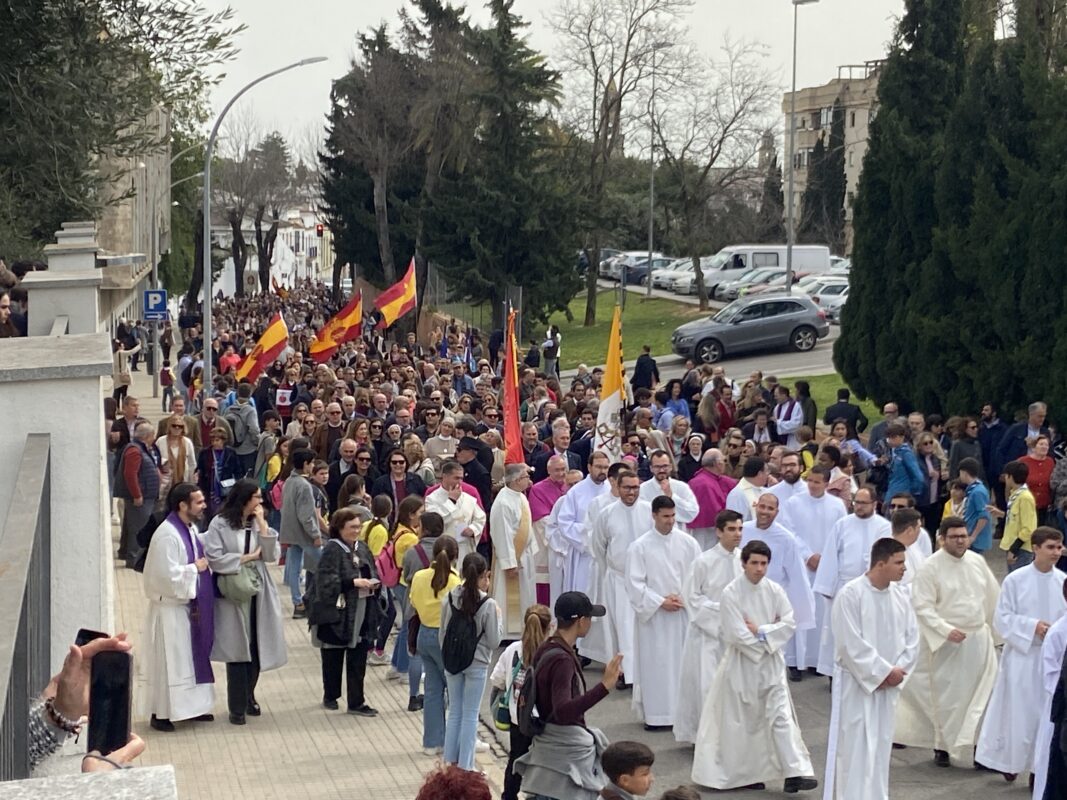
(201, 608)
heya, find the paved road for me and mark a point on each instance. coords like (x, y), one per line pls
(783, 363)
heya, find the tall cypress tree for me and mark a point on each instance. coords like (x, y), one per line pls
(895, 213)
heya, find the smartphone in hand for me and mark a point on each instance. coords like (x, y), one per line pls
(85, 636)
(110, 701)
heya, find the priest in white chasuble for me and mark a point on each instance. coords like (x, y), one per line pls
(876, 637)
(514, 550)
(955, 598)
(1031, 602)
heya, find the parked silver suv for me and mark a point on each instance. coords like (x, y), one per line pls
(753, 323)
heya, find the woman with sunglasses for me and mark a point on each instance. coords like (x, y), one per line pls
(366, 465)
(296, 427)
(398, 483)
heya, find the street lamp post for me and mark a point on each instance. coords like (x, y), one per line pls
(652, 168)
(207, 208)
(791, 203)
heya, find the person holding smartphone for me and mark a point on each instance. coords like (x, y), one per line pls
(248, 635)
(345, 611)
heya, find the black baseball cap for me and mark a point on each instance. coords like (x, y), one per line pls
(467, 443)
(574, 605)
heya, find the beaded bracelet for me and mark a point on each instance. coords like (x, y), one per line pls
(72, 726)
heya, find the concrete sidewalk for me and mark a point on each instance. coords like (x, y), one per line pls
(297, 748)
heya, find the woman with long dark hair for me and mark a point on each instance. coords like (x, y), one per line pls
(465, 687)
(428, 588)
(344, 612)
(248, 631)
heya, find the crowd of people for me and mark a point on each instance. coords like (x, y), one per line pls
(738, 542)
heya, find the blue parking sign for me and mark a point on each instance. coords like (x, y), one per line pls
(155, 305)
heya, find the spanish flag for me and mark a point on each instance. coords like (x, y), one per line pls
(344, 326)
(609, 431)
(397, 300)
(270, 345)
(512, 427)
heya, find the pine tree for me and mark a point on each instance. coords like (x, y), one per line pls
(895, 214)
(509, 219)
(771, 207)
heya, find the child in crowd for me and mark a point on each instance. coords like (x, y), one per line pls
(628, 766)
(320, 475)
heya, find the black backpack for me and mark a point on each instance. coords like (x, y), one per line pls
(530, 724)
(461, 638)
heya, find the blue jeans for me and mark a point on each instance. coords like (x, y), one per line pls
(1022, 559)
(294, 559)
(433, 708)
(461, 730)
(400, 658)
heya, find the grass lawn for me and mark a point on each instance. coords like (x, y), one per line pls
(650, 322)
(824, 393)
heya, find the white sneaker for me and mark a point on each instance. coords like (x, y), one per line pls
(480, 746)
(375, 660)
(432, 751)
(393, 675)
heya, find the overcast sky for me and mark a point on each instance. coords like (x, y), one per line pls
(831, 33)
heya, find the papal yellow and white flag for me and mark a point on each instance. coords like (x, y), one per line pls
(609, 428)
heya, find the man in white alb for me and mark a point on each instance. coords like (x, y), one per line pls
(464, 518)
(572, 522)
(742, 498)
(732, 746)
(617, 527)
(876, 637)
(661, 484)
(955, 598)
(846, 556)
(906, 524)
(811, 516)
(655, 564)
(179, 631)
(514, 571)
(702, 590)
(1031, 602)
(790, 485)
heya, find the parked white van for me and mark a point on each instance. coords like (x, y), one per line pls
(733, 261)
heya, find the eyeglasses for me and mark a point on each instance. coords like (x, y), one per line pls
(211, 408)
(363, 458)
(492, 416)
(332, 413)
(378, 426)
(431, 413)
(177, 427)
(898, 506)
(399, 463)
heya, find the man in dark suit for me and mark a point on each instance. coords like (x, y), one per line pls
(341, 469)
(561, 441)
(532, 446)
(1013, 443)
(762, 428)
(467, 428)
(473, 472)
(646, 373)
(849, 412)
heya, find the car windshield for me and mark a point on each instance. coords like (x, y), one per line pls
(718, 260)
(752, 274)
(727, 314)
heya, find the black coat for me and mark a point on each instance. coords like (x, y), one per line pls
(480, 478)
(384, 485)
(540, 465)
(850, 413)
(646, 373)
(333, 576)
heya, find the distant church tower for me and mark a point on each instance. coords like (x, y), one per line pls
(611, 110)
(767, 153)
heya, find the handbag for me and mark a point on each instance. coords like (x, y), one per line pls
(413, 634)
(502, 705)
(243, 585)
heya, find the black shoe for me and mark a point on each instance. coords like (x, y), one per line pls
(658, 727)
(941, 758)
(621, 683)
(204, 718)
(300, 612)
(795, 675)
(330, 704)
(899, 746)
(164, 725)
(364, 711)
(237, 719)
(799, 784)
(755, 786)
(414, 704)
(253, 709)
(422, 701)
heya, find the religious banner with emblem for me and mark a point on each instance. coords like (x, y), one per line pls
(609, 430)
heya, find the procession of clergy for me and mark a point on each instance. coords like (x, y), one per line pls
(784, 580)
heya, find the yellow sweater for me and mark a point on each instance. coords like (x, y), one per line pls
(375, 535)
(405, 540)
(422, 597)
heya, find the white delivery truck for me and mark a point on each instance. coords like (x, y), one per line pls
(734, 261)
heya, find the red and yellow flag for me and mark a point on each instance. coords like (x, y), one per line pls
(397, 300)
(270, 345)
(512, 427)
(344, 326)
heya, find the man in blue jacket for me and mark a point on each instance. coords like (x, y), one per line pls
(903, 466)
(1013, 443)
